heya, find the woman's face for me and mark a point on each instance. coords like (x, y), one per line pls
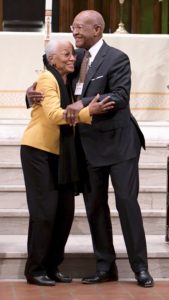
(64, 58)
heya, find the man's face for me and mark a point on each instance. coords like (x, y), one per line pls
(84, 32)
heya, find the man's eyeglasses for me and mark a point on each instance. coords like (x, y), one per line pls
(77, 27)
(81, 27)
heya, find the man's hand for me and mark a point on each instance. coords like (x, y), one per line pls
(100, 107)
(95, 107)
(71, 112)
(33, 96)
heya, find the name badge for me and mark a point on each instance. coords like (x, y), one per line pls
(79, 88)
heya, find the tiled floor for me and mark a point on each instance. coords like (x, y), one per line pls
(19, 290)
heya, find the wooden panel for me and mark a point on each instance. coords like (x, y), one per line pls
(165, 17)
(114, 14)
(83, 5)
(71, 8)
(79, 6)
(55, 16)
(146, 16)
(1, 16)
(135, 16)
(105, 11)
(157, 16)
(91, 4)
(65, 15)
(96, 5)
(139, 16)
(127, 15)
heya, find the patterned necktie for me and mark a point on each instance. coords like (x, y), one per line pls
(84, 66)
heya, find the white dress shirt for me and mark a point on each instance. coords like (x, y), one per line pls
(94, 50)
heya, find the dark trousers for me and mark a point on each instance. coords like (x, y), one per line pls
(125, 180)
(51, 211)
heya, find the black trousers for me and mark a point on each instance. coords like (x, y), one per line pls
(125, 180)
(51, 211)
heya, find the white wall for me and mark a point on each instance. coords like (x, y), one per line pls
(21, 56)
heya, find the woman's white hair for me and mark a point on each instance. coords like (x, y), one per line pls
(52, 46)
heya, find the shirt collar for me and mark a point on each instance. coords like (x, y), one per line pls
(95, 49)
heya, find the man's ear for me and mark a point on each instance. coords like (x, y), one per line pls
(98, 30)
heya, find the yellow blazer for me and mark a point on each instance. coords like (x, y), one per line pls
(43, 130)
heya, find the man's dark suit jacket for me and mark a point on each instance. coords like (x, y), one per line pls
(114, 136)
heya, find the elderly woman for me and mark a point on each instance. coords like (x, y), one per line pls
(48, 157)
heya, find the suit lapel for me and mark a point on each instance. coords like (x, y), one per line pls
(95, 65)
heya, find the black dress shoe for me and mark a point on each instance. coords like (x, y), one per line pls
(144, 279)
(40, 280)
(60, 277)
(101, 276)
